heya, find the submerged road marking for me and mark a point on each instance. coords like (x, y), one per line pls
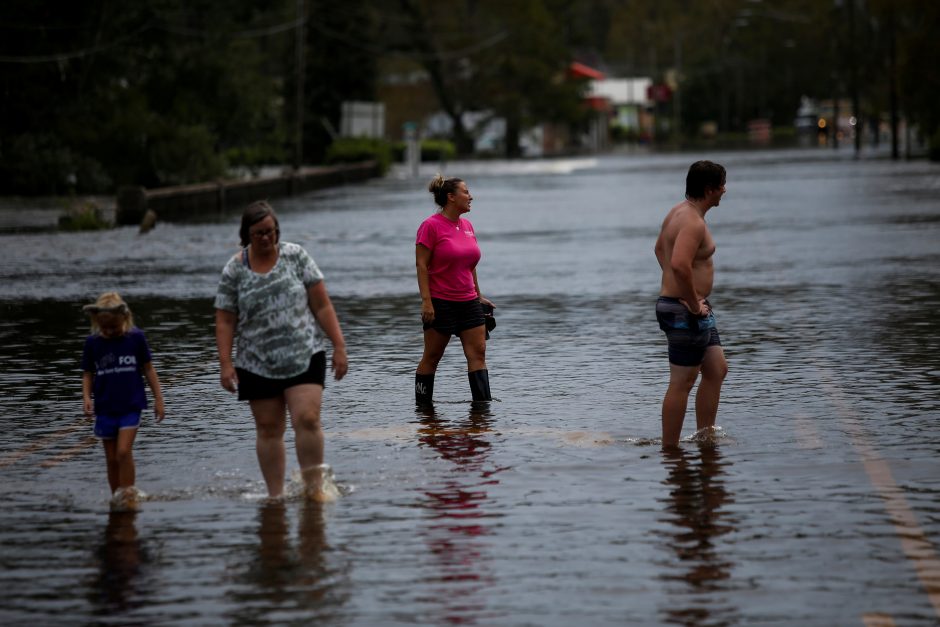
(807, 436)
(28, 450)
(70, 452)
(914, 542)
(877, 620)
(579, 439)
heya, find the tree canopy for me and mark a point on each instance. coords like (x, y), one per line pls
(101, 93)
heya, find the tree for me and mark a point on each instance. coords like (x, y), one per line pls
(504, 57)
(341, 65)
(152, 92)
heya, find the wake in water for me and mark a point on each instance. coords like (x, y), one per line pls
(316, 484)
(706, 436)
(324, 490)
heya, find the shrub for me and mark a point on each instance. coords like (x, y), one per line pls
(40, 163)
(620, 134)
(359, 149)
(84, 216)
(437, 150)
(933, 149)
(185, 154)
(431, 150)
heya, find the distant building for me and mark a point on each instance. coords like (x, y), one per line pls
(620, 104)
(363, 119)
(815, 121)
(629, 99)
(630, 105)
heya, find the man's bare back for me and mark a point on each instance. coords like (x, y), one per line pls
(684, 250)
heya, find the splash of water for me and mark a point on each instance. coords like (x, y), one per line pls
(316, 483)
(127, 499)
(709, 435)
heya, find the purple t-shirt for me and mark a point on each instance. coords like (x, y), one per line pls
(454, 255)
(117, 364)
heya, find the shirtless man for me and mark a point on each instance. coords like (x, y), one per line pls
(684, 250)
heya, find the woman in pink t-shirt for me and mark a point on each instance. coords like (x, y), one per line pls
(446, 256)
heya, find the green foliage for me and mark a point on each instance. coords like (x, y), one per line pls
(934, 146)
(343, 44)
(40, 163)
(432, 150)
(148, 93)
(84, 216)
(437, 150)
(623, 134)
(184, 154)
(490, 55)
(157, 92)
(359, 149)
(916, 24)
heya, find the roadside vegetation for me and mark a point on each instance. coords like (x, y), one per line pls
(162, 92)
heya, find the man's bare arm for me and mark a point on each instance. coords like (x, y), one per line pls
(688, 241)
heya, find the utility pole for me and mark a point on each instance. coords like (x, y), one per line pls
(853, 78)
(892, 82)
(836, 77)
(677, 94)
(299, 32)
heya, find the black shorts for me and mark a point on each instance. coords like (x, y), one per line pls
(253, 387)
(455, 317)
(688, 336)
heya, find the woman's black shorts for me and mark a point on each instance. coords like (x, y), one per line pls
(253, 387)
(454, 317)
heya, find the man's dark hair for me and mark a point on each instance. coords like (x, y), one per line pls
(702, 176)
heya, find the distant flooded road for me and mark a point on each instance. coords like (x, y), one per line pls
(819, 504)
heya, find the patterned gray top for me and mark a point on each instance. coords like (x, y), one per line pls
(277, 333)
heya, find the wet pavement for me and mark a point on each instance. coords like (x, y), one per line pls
(816, 503)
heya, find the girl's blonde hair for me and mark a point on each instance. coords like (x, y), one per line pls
(110, 303)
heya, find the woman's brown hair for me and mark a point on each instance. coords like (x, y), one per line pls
(253, 214)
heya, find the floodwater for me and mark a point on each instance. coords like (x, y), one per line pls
(816, 503)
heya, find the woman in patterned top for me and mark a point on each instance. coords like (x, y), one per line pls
(272, 296)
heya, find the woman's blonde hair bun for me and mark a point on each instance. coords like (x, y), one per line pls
(441, 187)
(436, 183)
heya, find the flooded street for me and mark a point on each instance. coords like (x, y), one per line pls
(818, 505)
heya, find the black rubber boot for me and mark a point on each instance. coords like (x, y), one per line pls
(424, 389)
(480, 384)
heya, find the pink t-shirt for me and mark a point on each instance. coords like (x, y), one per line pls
(454, 255)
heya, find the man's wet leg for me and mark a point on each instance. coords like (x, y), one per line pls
(714, 371)
(681, 380)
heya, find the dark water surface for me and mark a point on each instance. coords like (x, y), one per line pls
(818, 505)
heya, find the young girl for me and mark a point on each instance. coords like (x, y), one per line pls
(115, 356)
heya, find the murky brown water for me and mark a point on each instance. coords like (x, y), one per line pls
(818, 505)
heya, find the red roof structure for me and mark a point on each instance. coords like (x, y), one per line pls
(579, 70)
(598, 103)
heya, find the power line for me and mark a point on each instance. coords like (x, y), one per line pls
(58, 57)
(355, 42)
(245, 34)
(74, 54)
(276, 29)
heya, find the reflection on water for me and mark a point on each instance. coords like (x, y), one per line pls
(456, 529)
(121, 559)
(695, 508)
(285, 577)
